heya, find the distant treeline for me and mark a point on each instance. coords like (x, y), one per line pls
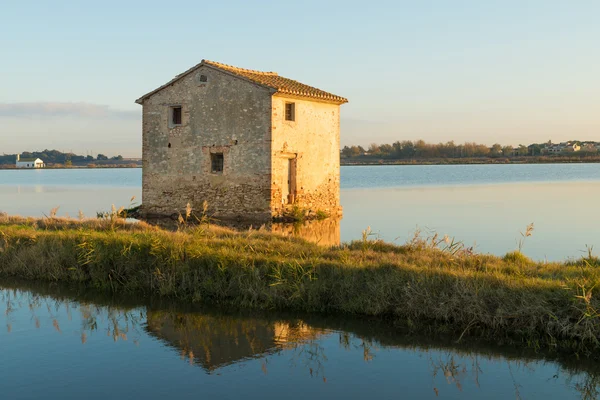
(420, 149)
(58, 159)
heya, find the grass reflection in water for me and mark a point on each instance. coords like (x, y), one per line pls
(216, 340)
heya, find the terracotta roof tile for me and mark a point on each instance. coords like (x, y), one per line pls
(279, 83)
(269, 79)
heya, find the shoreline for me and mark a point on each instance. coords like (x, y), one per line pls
(471, 161)
(74, 167)
(426, 284)
(374, 162)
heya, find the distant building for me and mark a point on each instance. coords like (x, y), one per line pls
(571, 147)
(29, 162)
(518, 151)
(561, 148)
(589, 148)
(553, 149)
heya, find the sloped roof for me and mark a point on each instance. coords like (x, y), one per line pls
(267, 79)
(28, 159)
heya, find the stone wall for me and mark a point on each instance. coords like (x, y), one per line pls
(312, 142)
(224, 115)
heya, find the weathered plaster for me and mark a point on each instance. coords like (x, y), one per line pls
(313, 139)
(226, 115)
(246, 123)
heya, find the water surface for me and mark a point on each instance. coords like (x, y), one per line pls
(457, 175)
(72, 344)
(484, 206)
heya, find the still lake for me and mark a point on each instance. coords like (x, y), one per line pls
(69, 343)
(59, 343)
(485, 206)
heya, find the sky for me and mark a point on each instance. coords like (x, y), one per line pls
(506, 71)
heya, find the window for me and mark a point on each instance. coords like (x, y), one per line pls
(216, 162)
(203, 78)
(175, 117)
(290, 111)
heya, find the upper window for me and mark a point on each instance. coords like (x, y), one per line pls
(216, 163)
(290, 111)
(175, 116)
(203, 78)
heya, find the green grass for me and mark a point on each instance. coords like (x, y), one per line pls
(297, 214)
(425, 285)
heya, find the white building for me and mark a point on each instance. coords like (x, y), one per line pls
(564, 147)
(29, 162)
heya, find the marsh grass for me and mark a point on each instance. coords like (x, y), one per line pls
(428, 284)
(298, 214)
(321, 215)
(190, 218)
(524, 235)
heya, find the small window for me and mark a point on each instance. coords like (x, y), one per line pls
(290, 111)
(175, 116)
(203, 78)
(216, 162)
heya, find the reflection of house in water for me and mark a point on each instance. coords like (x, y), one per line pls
(214, 341)
(325, 232)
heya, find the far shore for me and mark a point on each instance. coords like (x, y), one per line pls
(359, 161)
(12, 168)
(370, 161)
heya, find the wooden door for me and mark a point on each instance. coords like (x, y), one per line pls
(289, 181)
(285, 187)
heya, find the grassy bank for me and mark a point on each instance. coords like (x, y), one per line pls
(426, 285)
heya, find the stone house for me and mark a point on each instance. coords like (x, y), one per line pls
(251, 144)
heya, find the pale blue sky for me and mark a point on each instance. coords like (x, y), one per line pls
(488, 71)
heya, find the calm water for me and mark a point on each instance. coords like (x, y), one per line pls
(368, 177)
(74, 345)
(485, 206)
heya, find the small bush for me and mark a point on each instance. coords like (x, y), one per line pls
(518, 258)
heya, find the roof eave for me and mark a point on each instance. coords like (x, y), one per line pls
(238, 76)
(172, 81)
(331, 100)
(203, 63)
